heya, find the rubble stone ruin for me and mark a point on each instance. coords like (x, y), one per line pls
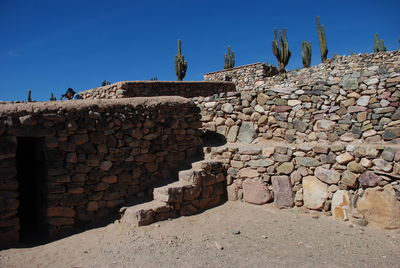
(326, 138)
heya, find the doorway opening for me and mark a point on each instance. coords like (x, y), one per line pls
(31, 176)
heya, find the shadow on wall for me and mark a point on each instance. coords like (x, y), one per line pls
(213, 139)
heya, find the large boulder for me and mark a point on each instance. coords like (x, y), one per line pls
(256, 192)
(315, 192)
(380, 207)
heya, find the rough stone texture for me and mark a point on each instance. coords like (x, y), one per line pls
(341, 205)
(283, 194)
(315, 192)
(369, 179)
(329, 176)
(256, 192)
(247, 132)
(129, 89)
(340, 99)
(99, 153)
(380, 207)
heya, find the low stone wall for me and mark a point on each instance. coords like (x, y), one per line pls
(128, 89)
(97, 154)
(244, 77)
(346, 98)
(347, 181)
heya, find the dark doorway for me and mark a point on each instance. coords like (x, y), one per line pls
(31, 180)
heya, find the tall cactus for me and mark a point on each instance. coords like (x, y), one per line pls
(280, 48)
(52, 98)
(376, 43)
(306, 53)
(29, 95)
(229, 59)
(322, 40)
(379, 45)
(180, 63)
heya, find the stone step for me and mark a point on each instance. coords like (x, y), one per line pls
(208, 165)
(146, 213)
(170, 193)
(190, 177)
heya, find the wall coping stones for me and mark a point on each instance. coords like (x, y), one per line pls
(51, 106)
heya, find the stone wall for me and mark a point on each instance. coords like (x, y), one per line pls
(347, 98)
(349, 182)
(244, 77)
(127, 89)
(98, 154)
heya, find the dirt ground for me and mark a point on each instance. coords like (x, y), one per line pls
(232, 235)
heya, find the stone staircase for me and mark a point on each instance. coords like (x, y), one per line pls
(199, 188)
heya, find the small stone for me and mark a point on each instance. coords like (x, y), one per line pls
(353, 166)
(294, 102)
(227, 108)
(307, 161)
(285, 168)
(349, 179)
(329, 176)
(344, 158)
(105, 166)
(248, 173)
(324, 125)
(363, 101)
(218, 245)
(369, 179)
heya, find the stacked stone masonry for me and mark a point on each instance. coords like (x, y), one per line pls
(199, 188)
(244, 76)
(98, 154)
(347, 98)
(350, 182)
(128, 89)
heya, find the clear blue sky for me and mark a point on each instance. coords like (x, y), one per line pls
(50, 45)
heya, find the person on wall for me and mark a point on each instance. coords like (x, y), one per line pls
(71, 95)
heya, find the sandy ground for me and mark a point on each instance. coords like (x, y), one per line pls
(232, 235)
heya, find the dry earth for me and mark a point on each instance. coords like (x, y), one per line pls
(232, 235)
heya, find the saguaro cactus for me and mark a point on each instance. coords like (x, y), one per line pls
(52, 98)
(280, 48)
(379, 45)
(229, 59)
(105, 83)
(29, 95)
(322, 40)
(306, 53)
(180, 63)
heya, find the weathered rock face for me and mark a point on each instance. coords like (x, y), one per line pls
(98, 153)
(341, 205)
(129, 89)
(256, 192)
(283, 194)
(380, 207)
(315, 192)
(329, 176)
(247, 133)
(347, 98)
